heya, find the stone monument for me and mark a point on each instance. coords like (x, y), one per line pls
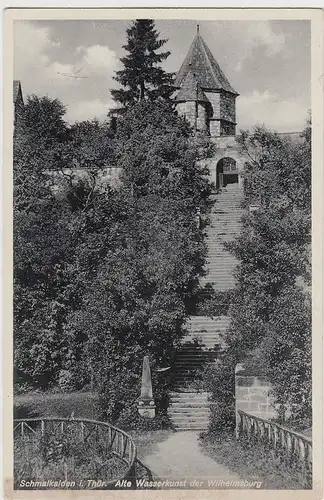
(146, 406)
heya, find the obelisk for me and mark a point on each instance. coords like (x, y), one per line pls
(146, 406)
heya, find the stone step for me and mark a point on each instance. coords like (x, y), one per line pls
(208, 325)
(182, 422)
(203, 329)
(191, 360)
(189, 395)
(208, 341)
(207, 319)
(189, 354)
(220, 261)
(222, 271)
(180, 403)
(178, 410)
(197, 348)
(183, 428)
(204, 332)
(215, 279)
(226, 216)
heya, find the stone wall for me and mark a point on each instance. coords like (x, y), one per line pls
(202, 124)
(227, 107)
(107, 175)
(214, 127)
(214, 99)
(252, 394)
(187, 110)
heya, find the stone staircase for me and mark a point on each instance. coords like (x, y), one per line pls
(189, 406)
(224, 227)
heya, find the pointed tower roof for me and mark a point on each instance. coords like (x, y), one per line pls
(190, 90)
(17, 91)
(202, 63)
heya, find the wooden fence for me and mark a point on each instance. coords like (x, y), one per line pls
(290, 445)
(113, 440)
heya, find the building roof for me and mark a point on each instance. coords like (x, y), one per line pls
(202, 63)
(16, 90)
(190, 90)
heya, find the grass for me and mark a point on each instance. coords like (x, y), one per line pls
(66, 457)
(252, 462)
(39, 404)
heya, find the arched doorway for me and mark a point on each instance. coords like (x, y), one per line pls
(226, 172)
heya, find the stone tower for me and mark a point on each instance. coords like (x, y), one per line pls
(204, 95)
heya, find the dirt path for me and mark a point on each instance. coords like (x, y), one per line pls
(180, 457)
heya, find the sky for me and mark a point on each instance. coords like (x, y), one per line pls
(267, 63)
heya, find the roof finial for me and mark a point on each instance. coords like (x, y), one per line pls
(197, 29)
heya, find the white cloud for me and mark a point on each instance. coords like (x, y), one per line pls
(98, 58)
(87, 110)
(260, 33)
(38, 66)
(34, 62)
(32, 44)
(269, 109)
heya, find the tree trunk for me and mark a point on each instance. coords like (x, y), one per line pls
(142, 94)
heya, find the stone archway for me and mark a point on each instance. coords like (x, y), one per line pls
(226, 172)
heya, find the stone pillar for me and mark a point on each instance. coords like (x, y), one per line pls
(146, 406)
(252, 394)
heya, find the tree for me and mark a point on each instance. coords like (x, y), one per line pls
(92, 145)
(43, 121)
(49, 217)
(41, 250)
(270, 306)
(142, 76)
(143, 255)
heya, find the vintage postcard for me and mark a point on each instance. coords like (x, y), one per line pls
(163, 188)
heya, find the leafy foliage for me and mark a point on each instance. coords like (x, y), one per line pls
(142, 76)
(92, 144)
(146, 254)
(113, 269)
(41, 249)
(44, 120)
(270, 305)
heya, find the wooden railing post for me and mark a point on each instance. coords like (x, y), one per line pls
(290, 445)
(124, 446)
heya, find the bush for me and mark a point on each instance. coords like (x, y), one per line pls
(219, 381)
